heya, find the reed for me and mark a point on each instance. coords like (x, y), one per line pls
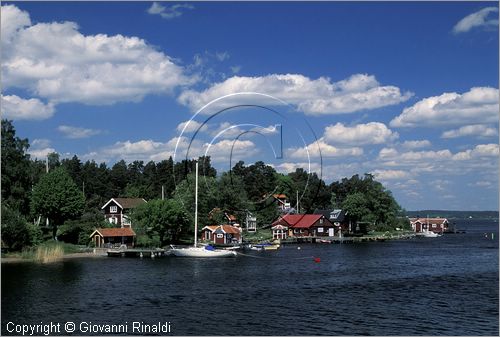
(49, 253)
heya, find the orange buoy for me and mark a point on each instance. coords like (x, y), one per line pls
(317, 259)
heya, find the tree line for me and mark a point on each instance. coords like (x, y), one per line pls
(72, 193)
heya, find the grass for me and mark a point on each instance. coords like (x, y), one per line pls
(258, 236)
(49, 251)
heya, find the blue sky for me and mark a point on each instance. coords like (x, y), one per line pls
(406, 91)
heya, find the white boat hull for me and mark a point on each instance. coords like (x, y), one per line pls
(428, 234)
(202, 252)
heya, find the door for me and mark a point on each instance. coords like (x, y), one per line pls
(330, 232)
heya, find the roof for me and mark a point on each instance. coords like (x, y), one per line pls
(298, 220)
(126, 203)
(228, 229)
(112, 232)
(279, 196)
(335, 215)
(230, 217)
(210, 228)
(429, 220)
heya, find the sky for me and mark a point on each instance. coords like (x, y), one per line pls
(402, 90)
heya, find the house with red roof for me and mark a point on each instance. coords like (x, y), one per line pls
(222, 234)
(116, 210)
(436, 225)
(110, 237)
(303, 225)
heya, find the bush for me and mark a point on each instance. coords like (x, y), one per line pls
(17, 233)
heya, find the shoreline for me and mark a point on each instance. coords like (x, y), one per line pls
(64, 257)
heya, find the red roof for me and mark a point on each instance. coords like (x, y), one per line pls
(111, 232)
(230, 229)
(279, 196)
(429, 220)
(299, 220)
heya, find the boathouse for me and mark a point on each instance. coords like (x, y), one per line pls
(436, 225)
(222, 235)
(110, 237)
(303, 225)
(341, 220)
(116, 210)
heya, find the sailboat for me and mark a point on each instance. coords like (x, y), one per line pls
(195, 251)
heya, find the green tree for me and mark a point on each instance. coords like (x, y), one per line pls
(16, 170)
(166, 219)
(17, 233)
(357, 206)
(57, 197)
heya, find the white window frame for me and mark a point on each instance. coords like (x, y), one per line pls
(220, 236)
(113, 209)
(320, 229)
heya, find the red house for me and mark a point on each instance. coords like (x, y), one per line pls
(302, 225)
(436, 225)
(108, 237)
(116, 210)
(222, 235)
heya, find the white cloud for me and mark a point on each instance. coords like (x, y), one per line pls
(56, 62)
(221, 56)
(230, 130)
(480, 103)
(40, 148)
(361, 134)
(313, 97)
(73, 132)
(191, 126)
(235, 69)
(477, 19)
(479, 130)
(40, 142)
(18, 108)
(481, 183)
(321, 148)
(168, 11)
(416, 144)
(413, 156)
(391, 174)
(480, 151)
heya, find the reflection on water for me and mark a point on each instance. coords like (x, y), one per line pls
(446, 286)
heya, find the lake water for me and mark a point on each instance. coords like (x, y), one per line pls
(427, 286)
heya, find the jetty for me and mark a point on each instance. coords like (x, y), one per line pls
(136, 252)
(345, 239)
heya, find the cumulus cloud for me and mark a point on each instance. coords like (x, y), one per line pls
(416, 144)
(191, 126)
(74, 132)
(479, 103)
(480, 151)
(413, 156)
(168, 11)
(56, 62)
(477, 20)
(361, 134)
(322, 149)
(311, 96)
(148, 149)
(391, 174)
(17, 108)
(479, 130)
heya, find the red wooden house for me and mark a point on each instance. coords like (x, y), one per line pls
(223, 234)
(109, 237)
(116, 210)
(302, 225)
(436, 225)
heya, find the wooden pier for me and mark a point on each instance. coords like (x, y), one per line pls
(343, 240)
(137, 252)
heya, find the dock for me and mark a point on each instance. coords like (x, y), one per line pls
(344, 240)
(137, 252)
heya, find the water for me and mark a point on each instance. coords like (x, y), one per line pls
(433, 286)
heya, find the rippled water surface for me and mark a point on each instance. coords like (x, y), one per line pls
(433, 286)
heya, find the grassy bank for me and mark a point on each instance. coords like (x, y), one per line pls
(46, 252)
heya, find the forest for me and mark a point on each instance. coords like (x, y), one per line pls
(71, 194)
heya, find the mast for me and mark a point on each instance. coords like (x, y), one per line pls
(196, 208)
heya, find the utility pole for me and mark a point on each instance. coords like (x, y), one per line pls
(162, 192)
(47, 171)
(298, 206)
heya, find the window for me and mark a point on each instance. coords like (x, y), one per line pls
(220, 236)
(321, 221)
(113, 209)
(320, 229)
(434, 225)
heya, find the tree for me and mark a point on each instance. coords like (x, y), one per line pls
(163, 218)
(356, 205)
(17, 233)
(16, 169)
(57, 197)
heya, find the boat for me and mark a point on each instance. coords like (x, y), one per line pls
(428, 234)
(265, 246)
(195, 251)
